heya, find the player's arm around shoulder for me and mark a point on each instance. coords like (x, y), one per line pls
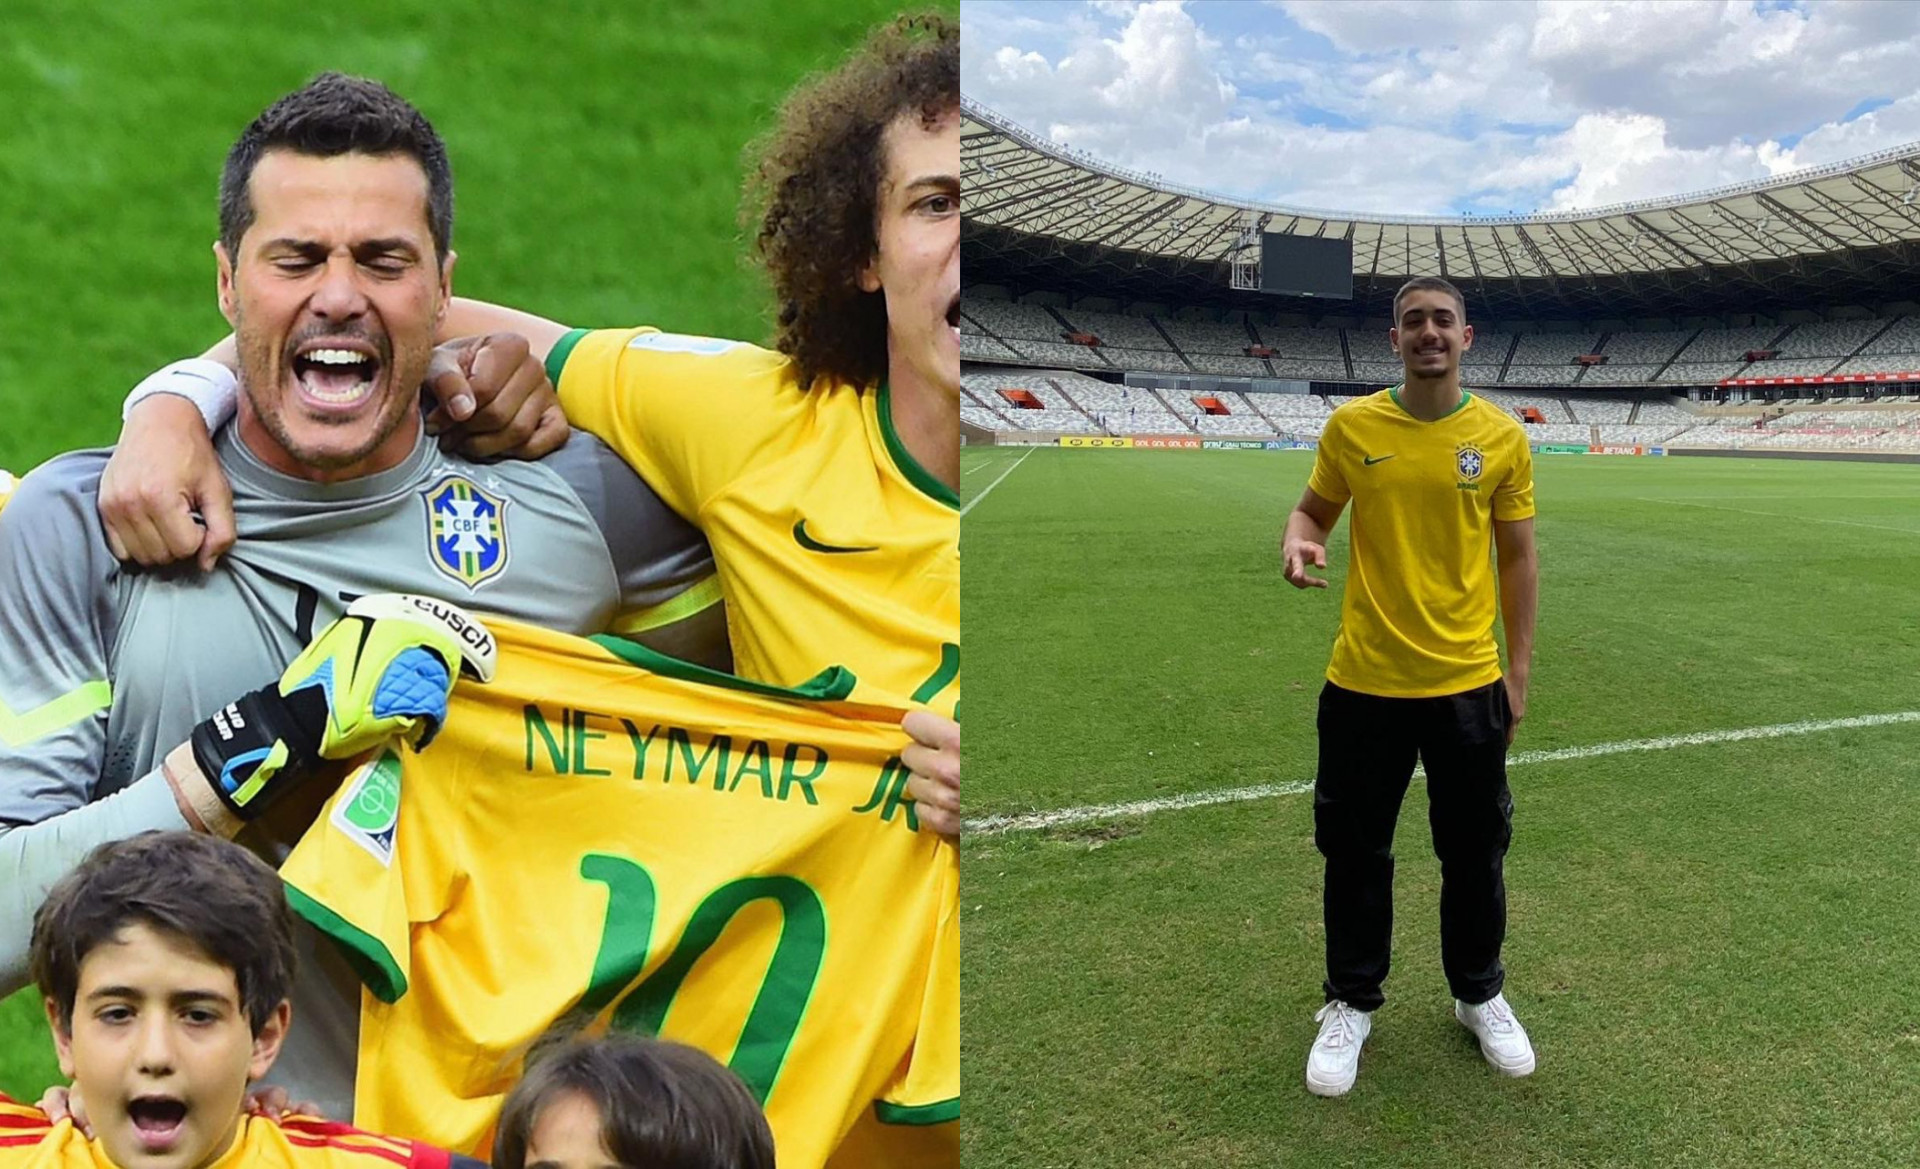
(689, 413)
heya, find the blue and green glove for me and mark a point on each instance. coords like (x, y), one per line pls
(383, 671)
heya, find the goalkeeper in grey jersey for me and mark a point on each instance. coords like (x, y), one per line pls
(334, 269)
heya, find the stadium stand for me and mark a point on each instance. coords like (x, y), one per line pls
(1621, 325)
(1124, 409)
(1550, 353)
(1514, 402)
(1717, 354)
(1635, 358)
(1057, 412)
(1566, 432)
(1297, 343)
(1488, 356)
(1377, 373)
(979, 347)
(1118, 330)
(982, 417)
(1604, 410)
(1216, 347)
(1663, 412)
(1011, 321)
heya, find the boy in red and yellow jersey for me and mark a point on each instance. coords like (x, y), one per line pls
(164, 962)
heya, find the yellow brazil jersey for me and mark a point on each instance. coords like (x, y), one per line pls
(27, 1139)
(604, 836)
(1417, 618)
(834, 546)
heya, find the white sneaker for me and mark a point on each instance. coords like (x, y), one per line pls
(1502, 1039)
(1334, 1060)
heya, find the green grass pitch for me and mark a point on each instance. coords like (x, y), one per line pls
(596, 148)
(1713, 945)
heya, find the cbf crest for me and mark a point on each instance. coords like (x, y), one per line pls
(1470, 461)
(466, 530)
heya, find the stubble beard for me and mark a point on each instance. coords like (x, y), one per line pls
(261, 380)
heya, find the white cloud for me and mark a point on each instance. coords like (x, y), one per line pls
(1390, 25)
(1626, 100)
(1152, 87)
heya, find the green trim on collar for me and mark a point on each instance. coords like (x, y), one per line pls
(903, 458)
(1466, 396)
(832, 684)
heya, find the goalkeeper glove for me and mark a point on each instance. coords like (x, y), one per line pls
(385, 669)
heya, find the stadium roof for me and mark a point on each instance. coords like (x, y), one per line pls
(1042, 216)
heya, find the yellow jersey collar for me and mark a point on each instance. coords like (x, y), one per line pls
(1466, 396)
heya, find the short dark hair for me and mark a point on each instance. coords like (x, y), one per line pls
(661, 1104)
(226, 902)
(814, 189)
(1429, 284)
(331, 115)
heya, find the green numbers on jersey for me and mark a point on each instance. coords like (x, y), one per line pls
(943, 675)
(626, 939)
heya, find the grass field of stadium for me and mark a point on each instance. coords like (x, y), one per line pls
(596, 151)
(1711, 927)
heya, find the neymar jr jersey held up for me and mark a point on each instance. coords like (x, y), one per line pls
(1417, 617)
(104, 669)
(834, 546)
(606, 835)
(28, 1140)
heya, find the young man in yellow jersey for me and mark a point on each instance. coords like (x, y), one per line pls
(1435, 476)
(165, 963)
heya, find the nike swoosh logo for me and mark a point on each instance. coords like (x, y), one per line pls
(801, 538)
(1371, 462)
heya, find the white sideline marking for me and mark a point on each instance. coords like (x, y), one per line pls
(975, 501)
(983, 465)
(1781, 515)
(1030, 821)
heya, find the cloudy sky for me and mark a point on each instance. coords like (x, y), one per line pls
(1452, 106)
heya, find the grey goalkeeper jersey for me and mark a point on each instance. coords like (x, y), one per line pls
(103, 669)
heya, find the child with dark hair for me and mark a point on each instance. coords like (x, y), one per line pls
(165, 962)
(634, 1102)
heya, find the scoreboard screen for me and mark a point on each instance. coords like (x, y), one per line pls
(1304, 265)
